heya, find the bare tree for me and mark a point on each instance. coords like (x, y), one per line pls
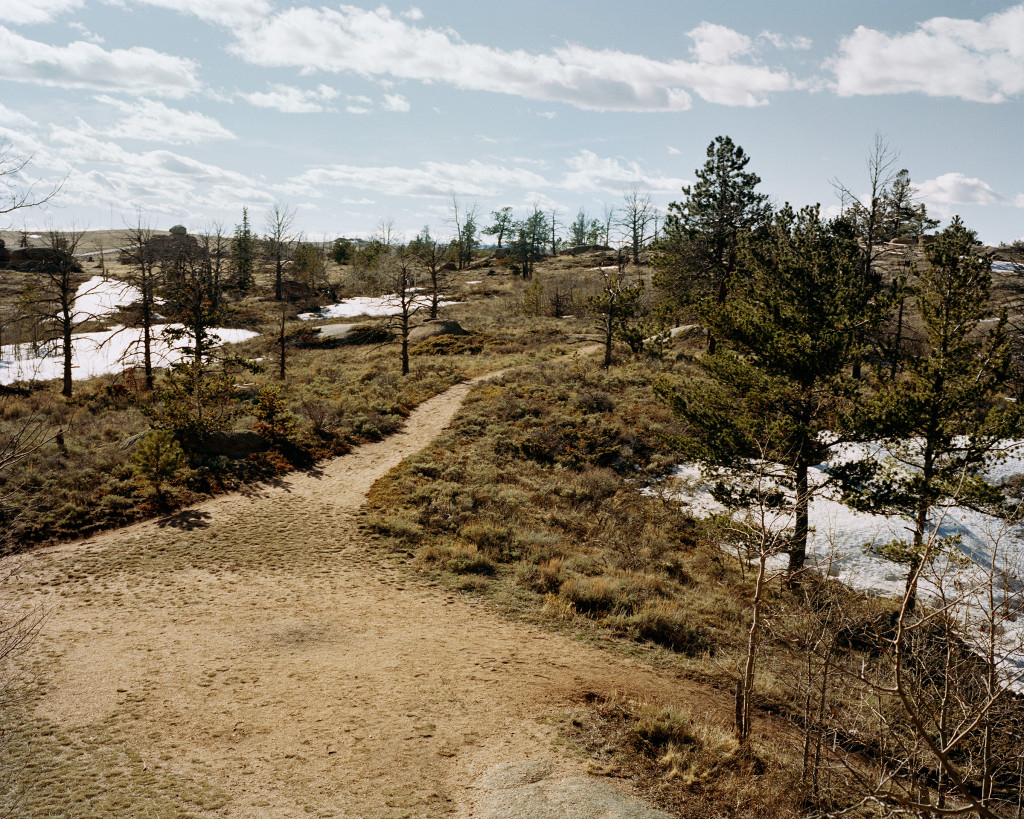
(615, 305)
(14, 195)
(49, 299)
(144, 275)
(432, 255)
(386, 231)
(608, 223)
(885, 212)
(637, 216)
(218, 247)
(398, 274)
(279, 238)
(554, 225)
(464, 220)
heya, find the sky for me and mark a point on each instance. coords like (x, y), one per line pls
(186, 111)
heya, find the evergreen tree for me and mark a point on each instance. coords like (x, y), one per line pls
(192, 296)
(777, 380)
(243, 254)
(528, 247)
(158, 460)
(615, 307)
(502, 226)
(945, 417)
(697, 254)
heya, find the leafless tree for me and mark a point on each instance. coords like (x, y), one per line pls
(464, 220)
(398, 274)
(49, 299)
(882, 214)
(944, 690)
(432, 255)
(608, 223)
(279, 239)
(637, 217)
(14, 195)
(144, 275)
(554, 224)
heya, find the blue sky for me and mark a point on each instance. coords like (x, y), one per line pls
(186, 110)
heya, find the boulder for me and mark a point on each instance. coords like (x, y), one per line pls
(335, 330)
(436, 327)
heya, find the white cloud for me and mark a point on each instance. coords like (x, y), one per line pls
(982, 61)
(14, 119)
(430, 179)
(85, 33)
(396, 103)
(717, 45)
(85, 65)
(413, 14)
(590, 172)
(153, 121)
(221, 12)
(781, 41)
(673, 150)
(358, 104)
(378, 44)
(293, 100)
(1018, 200)
(159, 181)
(958, 189)
(21, 12)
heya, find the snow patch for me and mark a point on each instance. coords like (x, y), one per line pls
(389, 305)
(101, 296)
(98, 353)
(840, 538)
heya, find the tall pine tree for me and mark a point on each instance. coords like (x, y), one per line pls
(778, 379)
(243, 254)
(946, 416)
(697, 254)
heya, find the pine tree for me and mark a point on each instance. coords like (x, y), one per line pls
(945, 417)
(777, 380)
(697, 254)
(243, 254)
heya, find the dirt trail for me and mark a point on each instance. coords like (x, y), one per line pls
(249, 644)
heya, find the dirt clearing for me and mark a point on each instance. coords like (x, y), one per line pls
(245, 658)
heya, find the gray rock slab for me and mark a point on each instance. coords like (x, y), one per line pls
(527, 790)
(335, 330)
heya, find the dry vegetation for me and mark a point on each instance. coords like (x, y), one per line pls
(337, 394)
(530, 500)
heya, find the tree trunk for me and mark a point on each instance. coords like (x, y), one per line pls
(609, 326)
(798, 554)
(753, 636)
(281, 372)
(68, 350)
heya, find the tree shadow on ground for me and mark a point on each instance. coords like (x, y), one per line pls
(186, 520)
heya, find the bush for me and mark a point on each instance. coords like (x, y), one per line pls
(594, 596)
(543, 579)
(664, 623)
(468, 560)
(158, 460)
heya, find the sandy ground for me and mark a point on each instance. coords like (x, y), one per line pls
(249, 643)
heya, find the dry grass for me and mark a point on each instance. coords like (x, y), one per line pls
(93, 770)
(685, 762)
(338, 395)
